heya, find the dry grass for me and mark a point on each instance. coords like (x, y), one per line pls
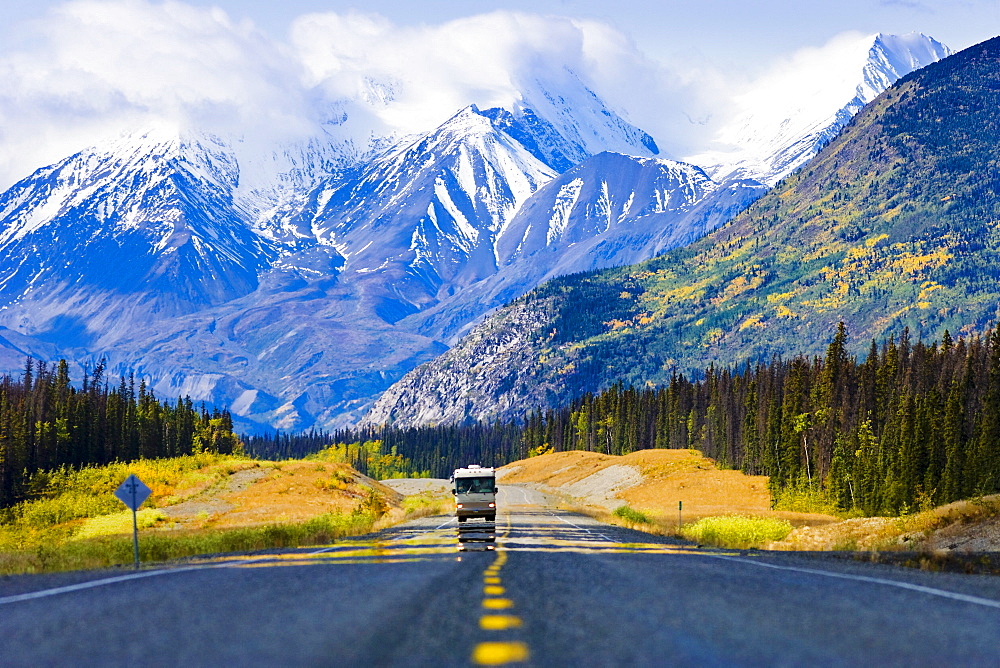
(862, 533)
(971, 526)
(292, 491)
(234, 505)
(667, 477)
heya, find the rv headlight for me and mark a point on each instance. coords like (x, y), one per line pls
(493, 505)
(458, 505)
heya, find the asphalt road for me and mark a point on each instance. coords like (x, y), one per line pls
(553, 589)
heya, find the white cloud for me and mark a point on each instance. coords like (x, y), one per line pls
(92, 68)
(95, 68)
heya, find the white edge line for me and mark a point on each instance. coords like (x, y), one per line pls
(90, 584)
(93, 583)
(966, 598)
(137, 576)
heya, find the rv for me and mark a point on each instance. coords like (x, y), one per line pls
(475, 493)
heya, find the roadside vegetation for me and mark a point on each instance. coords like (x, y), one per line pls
(200, 504)
(736, 531)
(631, 515)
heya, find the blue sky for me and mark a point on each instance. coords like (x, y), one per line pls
(726, 33)
(73, 73)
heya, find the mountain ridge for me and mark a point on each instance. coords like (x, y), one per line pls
(766, 144)
(248, 261)
(889, 227)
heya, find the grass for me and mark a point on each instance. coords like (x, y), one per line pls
(68, 494)
(630, 514)
(426, 504)
(106, 551)
(736, 531)
(118, 523)
(76, 522)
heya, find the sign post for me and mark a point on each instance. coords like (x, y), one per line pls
(132, 493)
(680, 506)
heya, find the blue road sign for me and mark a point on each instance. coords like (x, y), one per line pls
(133, 492)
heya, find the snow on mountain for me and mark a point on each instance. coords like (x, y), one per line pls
(146, 225)
(434, 206)
(563, 122)
(294, 282)
(609, 210)
(223, 269)
(791, 114)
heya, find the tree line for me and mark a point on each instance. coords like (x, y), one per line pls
(46, 423)
(432, 450)
(912, 424)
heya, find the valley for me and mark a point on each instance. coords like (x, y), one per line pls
(711, 291)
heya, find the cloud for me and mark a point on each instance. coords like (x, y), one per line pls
(92, 68)
(96, 68)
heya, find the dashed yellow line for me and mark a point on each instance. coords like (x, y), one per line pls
(499, 653)
(499, 622)
(495, 653)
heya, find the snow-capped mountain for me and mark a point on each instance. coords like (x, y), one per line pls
(224, 273)
(788, 117)
(434, 206)
(615, 209)
(609, 210)
(146, 226)
(294, 283)
(563, 122)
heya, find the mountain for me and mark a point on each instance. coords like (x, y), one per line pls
(146, 227)
(893, 225)
(295, 283)
(432, 208)
(610, 209)
(225, 274)
(564, 122)
(788, 117)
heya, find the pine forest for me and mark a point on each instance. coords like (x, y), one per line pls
(47, 423)
(910, 426)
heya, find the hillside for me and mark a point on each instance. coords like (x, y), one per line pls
(200, 504)
(653, 481)
(893, 225)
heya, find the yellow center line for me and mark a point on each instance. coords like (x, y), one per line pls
(497, 603)
(494, 653)
(499, 622)
(499, 653)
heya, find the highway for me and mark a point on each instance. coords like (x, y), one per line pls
(549, 589)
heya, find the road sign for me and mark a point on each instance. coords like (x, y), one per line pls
(133, 492)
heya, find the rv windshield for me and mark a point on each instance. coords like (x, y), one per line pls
(474, 485)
